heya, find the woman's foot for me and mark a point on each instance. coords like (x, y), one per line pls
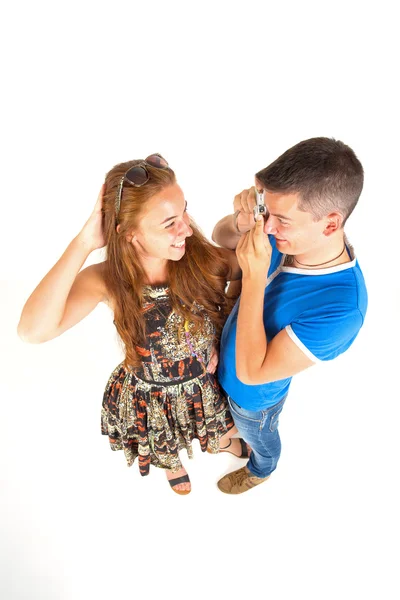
(180, 487)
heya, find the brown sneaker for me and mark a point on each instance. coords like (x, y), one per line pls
(239, 481)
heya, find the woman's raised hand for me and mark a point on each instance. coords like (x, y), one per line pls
(92, 232)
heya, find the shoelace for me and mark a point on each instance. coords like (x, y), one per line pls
(238, 477)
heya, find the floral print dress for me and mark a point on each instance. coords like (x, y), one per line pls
(154, 411)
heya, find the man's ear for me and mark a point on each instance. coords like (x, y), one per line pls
(333, 223)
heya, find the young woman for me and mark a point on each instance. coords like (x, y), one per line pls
(166, 286)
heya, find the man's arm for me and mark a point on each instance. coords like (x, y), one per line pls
(258, 361)
(228, 230)
(225, 233)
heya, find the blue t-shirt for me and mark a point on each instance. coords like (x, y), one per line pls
(322, 311)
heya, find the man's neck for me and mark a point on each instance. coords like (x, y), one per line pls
(330, 255)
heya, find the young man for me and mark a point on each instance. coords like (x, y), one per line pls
(303, 296)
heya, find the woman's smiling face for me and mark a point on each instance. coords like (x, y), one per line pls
(163, 226)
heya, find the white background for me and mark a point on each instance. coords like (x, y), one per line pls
(220, 89)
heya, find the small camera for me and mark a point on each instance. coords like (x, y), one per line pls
(260, 208)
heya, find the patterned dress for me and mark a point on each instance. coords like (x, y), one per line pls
(156, 410)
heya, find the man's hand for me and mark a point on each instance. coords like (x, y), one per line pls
(254, 253)
(228, 230)
(245, 202)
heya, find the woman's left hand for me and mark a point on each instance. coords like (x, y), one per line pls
(254, 253)
(213, 362)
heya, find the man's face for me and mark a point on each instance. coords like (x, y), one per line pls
(295, 231)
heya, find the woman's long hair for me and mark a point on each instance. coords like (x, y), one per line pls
(198, 277)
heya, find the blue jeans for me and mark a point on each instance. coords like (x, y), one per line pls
(260, 430)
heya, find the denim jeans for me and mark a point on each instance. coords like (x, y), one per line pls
(260, 430)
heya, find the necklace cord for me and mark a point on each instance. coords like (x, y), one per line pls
(323, 263)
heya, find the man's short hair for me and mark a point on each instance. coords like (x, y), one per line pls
(325, 173)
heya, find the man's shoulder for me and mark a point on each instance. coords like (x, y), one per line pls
(308, 296)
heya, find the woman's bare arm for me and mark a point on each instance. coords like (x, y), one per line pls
(63, 297)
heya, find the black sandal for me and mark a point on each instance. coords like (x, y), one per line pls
(176, 481)
(246, 450)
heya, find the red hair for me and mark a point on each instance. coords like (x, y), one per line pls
(198, 277)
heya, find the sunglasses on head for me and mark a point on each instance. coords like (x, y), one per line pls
(138, 175)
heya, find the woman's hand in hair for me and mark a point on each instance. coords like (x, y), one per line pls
(92, 233)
